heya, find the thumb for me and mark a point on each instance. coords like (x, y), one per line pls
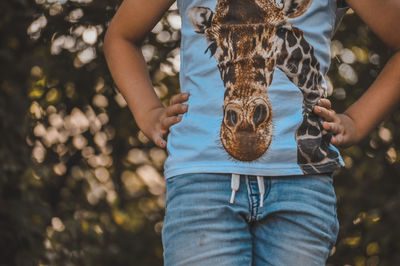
(159, 140)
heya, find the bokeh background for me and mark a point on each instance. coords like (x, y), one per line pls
(81, 185)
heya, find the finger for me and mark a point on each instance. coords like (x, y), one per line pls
(176, 109)
(337, 140)
(334, 141)
(178, 98)
(159, 140)
(170, 120)
(328, 115)
(331, 127)
(323, 102)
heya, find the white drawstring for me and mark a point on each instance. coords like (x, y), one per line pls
(260, 181)
(235, 182)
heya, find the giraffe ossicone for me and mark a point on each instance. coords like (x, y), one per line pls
(249, 39)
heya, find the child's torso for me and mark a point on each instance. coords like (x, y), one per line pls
(254, 70)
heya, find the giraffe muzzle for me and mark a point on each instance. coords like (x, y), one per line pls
(247, 129)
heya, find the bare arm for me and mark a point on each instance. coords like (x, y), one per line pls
(122, 49)
(383, 17)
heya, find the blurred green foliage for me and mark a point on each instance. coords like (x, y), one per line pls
(81, 185)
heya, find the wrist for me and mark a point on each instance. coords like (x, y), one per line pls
(352, 128)
(147, 119)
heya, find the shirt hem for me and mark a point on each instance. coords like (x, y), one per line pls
(270, 171)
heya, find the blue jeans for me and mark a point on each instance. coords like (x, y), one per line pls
(297, 224)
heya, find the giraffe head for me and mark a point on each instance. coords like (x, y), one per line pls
(241, 35)
(246, 130)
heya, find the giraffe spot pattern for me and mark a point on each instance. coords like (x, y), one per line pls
(248, 49)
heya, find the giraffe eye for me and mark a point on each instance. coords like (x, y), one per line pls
(260, 113)
(231, 117)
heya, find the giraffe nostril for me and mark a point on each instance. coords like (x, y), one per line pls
(260, 114)
(232, 118)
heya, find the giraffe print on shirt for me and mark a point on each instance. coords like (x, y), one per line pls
(249, 39)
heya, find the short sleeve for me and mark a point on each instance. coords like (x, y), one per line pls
(341, 10)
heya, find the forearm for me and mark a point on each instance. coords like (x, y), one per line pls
(129, 71)
(378, 100)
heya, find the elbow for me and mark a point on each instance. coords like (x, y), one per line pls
(110, 43)
(107, 42)
(114, 38)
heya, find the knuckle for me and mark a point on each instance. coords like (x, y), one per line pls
(167, 123)
(181, 97)
(160, 121)
(167, 111)
(177, 108)
(163, 125)
(174, 109)
(336, 129)
(328, 126)
(170, 121)
(170, 110)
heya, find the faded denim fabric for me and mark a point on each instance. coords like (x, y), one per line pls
(297, 225)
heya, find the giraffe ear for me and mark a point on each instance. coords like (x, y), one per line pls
(200, 17)
(295, 8)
